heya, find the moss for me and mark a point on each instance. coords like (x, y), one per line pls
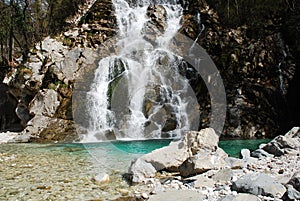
(115, 75)
(23, 70)
(58, 84)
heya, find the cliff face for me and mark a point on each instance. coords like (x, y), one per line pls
(43, 86)
(257, 69)
(257, 72)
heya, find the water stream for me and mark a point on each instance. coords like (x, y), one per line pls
(139, 93)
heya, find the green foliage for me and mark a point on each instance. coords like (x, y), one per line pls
(27, 22)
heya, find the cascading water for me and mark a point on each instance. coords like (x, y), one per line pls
(139, 93)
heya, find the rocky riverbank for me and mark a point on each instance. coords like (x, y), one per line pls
(194, 168)
(197, 169)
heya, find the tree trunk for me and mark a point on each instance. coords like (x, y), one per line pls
(11, 36)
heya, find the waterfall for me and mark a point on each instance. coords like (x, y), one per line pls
(139, 93)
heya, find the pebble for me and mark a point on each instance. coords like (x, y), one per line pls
(145, 195)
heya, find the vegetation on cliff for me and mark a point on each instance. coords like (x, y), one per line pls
(26, 22)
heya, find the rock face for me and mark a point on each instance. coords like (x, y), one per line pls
(156, 26)
(259, 184)
(44, 103)
(256, 69)
(196, 152)
(43, 86)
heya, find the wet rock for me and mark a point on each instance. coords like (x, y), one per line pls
(259, 184)
(273, 148)
(106, 135)
(157, 24)
(22, 112)
(240, 197)
(169, 125)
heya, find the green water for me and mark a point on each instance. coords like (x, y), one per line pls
(66, 171)
(234, 147)
(231, 147)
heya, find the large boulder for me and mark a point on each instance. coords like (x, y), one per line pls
(172, 156)
(196, 152)
(48, 129)
(259, 184)
(203, 161)
(141, 170)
